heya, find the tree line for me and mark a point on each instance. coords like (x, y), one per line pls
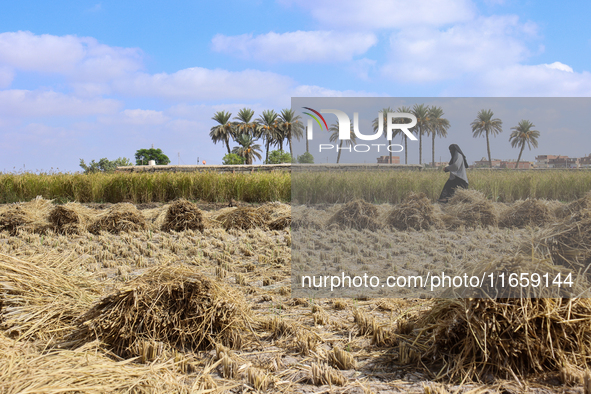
(277, 128)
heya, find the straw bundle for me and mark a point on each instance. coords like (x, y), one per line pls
(168, 304)
(415, 212)
(183, 215)
(470, 208)
(358, 215)
(569, 241)
(505, 338)
(41, 298)
(530, 212)
(85, 370)
(30, 216)
(121, 217)
(305, 217)
(274, 210)
(280, 223)
(71, 218)
(241, 218)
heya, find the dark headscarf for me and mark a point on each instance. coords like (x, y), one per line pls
(453, 148)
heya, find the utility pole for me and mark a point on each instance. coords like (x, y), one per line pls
(179, 160)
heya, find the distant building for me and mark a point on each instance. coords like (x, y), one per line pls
(563, 162)
(386, 160)
(547, 161)
(585, 162)
(496, 163)
(523, 165)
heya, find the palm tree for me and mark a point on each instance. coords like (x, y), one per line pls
(484, 123)
(523, 134)
(437, 126)
(247, 149)
(268, 128)
(407, 110)
(376, 126)
(422, 114)
(224, 130)
(291, 126)
(334, 128)
(245, 125)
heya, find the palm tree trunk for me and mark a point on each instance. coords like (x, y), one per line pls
(227, 144)
(420, 146)
(390, 149)
(307, 151)
(267, 154)
(433, 151)
(488, 151)
(339, 155)
(519, 157)
(290, 150)
(405, 151)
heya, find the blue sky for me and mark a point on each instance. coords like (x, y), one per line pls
(88, 79)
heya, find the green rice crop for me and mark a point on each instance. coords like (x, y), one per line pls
(146, 187)
(304, 187)
(394, 186)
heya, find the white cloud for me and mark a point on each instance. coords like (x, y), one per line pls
(426, 55)
(532, 81)
(23, 103)
(143, 117)
(318, 91)
(79, 58)
(559, 66)
(298, 46)
(199, 83)
(6, 77)
(388, 14)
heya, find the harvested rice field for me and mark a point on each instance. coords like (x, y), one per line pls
(197, 298)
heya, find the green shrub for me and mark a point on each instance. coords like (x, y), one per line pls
(306, 158)
(232, 158)
(278, 156)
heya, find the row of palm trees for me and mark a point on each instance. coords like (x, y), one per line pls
(276, 128)
(273, 128)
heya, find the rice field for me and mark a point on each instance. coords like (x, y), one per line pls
(303, 187)
(197, 298)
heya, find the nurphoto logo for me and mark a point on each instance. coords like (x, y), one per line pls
(393, 122)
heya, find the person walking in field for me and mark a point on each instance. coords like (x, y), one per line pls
(457, 173)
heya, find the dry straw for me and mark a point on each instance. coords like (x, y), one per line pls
(505, 338)
(530, 212)
(121, 217)
(470, 208)
(29, 216)
(356, 214)
(415, 212)
(71, 218)
(23, 369)
(41, 298)
(183, 215)
(243, 218)
(168, 304)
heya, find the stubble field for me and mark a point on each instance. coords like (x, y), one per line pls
(183, 297)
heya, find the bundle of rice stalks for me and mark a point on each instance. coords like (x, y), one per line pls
(358, 215)
(23, 369)
(241, 218)
(71, 218)
(506, 338)
(41, 298)
(304, 217)
(530, 212)
(29, 216)
(168, 304)
(280, 223)
(183, 215)
(569, 241)
(415, 212)
(273, 210)
(470, 208)
(121, 217)
(581, 204)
